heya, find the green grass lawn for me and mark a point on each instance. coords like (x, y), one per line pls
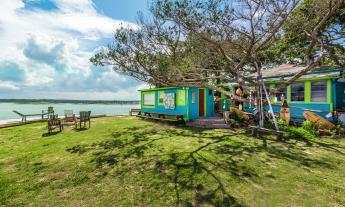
(130, 162)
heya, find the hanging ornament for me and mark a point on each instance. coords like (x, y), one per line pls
(239, 92)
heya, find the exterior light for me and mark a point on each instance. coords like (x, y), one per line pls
(341, 80)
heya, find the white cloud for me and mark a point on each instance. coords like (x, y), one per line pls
(49, 46)
(7, 85)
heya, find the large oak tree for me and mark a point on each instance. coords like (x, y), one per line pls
(197, 42)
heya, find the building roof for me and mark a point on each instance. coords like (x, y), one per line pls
(167, 88)
(156, 89)
(282, 71)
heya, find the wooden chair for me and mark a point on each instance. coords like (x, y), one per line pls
(84, 117)
(69, 116)
(53, 123)
(135, 111)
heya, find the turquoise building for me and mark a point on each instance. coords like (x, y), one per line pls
(190, 103)
(322, 90)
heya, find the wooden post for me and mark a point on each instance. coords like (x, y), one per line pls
(269, 103)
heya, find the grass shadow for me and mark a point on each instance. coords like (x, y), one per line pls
(47, 134)
(80, 129)
(135, 148)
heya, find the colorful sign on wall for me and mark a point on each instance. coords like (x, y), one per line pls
(169, 101)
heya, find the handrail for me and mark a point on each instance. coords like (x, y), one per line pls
(26, 115)
(20, 114)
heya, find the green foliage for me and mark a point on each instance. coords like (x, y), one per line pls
(305, 132)
(340, 129)
(299, 133)
(309, 126)
(292, 45)
(238, 115)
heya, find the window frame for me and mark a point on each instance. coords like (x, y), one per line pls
(154, 99)
(285, 92)
(326, 90)
(304, 92)
(161, 93)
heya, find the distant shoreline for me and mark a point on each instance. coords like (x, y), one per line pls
(57, 101)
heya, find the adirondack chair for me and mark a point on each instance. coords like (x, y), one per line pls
(49, 112)
(69, 116)
(54, 123)
(84, 117)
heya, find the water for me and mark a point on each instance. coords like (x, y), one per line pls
(6, 109)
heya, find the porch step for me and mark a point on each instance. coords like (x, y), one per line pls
(209, 123)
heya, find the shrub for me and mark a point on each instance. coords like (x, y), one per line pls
(238, 115)
(298, 133)
(309, 126)
(281, 125)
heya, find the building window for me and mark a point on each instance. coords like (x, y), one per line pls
(149, 99)
(280, 95)
(193, 97)
(297, 92)
(181, 97)
(161, 97)
(318, 91)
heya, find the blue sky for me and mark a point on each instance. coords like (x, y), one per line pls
(45, 46)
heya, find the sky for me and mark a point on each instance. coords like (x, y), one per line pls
(45, 46)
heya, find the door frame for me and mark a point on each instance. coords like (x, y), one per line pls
(204, 89)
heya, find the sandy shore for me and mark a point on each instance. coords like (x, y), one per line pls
(9, 121)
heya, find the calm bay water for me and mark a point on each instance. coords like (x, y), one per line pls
(6, 109)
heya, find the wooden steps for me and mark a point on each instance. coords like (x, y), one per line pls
(209, 123)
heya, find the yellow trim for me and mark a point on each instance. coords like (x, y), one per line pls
(204, 101)
(270, 88)
(307, 91)
(187, 103)
(288, 94)
(181, 97)
(205, 91)
(329, 91)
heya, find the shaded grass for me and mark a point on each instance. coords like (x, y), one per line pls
(130, 162)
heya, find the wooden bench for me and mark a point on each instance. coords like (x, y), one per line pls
(54, 123)
(162, 116)
(137, 111)
(257, 130)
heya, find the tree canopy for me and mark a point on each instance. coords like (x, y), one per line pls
(197, 42)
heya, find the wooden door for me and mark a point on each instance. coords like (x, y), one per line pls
(201, 102)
